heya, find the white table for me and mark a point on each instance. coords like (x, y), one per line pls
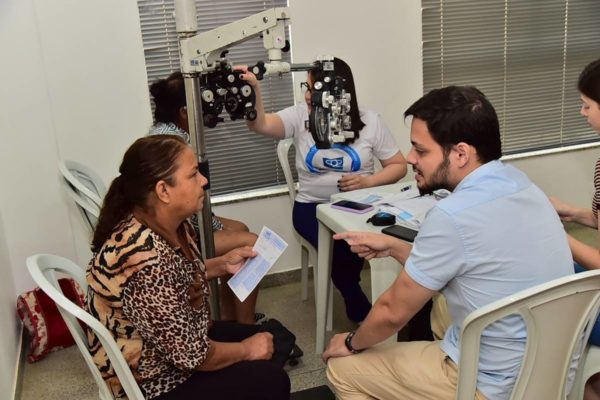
(331, 220)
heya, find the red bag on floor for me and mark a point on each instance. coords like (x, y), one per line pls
(43, 322)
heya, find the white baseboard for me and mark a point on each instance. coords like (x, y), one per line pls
(19, 364)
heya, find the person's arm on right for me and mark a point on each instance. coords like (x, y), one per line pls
(392, 311)
(570, 213)
(267, 124)
(584, 254)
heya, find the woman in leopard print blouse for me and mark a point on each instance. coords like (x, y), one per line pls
(170, 115)
(149, 287)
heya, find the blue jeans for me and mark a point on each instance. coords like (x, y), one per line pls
(595, 334)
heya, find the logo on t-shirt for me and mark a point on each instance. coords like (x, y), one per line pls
(334, 163)
(339, 157)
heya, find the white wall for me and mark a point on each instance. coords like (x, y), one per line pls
(9, 333)
(567, 175)
(380, 40)
(74, 87)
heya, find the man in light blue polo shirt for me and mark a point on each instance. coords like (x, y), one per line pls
(495, 235)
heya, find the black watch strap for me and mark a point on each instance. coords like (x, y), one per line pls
(348, 343)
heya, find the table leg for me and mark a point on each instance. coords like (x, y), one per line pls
(330, 309)
(384, 272)
(323, 283)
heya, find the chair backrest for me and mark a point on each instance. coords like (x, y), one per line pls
(283, 149)
(85, 188)
(43, 269)
(558, 314)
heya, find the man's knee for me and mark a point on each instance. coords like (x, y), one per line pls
(338, 371)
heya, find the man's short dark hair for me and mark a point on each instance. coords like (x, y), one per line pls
(457, 114)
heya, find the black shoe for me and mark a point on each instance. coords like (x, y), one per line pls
(295, 354)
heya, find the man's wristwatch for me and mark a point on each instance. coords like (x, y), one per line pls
(348, 343)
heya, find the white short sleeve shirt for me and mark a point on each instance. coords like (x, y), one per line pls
(320, 169)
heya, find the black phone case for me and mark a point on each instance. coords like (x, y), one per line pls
(401, 232)
(352, 206)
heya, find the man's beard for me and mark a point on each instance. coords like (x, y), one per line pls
(438, 180)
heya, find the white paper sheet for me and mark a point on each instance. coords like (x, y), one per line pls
(410, 212)
(269, 247)
(409, 207)
(376, 198)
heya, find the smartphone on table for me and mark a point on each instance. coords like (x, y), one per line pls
(352, 206)
(401, 232)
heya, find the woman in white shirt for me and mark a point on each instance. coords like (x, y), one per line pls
(323, 172)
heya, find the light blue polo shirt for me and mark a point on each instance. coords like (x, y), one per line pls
(495, 235)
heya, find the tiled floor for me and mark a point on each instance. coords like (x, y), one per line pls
(64, 375)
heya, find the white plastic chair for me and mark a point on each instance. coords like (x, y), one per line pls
(308, 251)
(85, 188)
(42, 268)
(557, 315)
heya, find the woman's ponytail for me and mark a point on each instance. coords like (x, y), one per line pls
(114, 209)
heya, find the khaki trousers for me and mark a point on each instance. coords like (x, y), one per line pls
(406, 370)
(440, 317)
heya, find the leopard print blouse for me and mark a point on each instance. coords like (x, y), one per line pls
(140, 288)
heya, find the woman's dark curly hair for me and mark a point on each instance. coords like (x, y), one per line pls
(169, 97)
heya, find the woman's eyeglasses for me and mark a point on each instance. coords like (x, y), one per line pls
(305, 87)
